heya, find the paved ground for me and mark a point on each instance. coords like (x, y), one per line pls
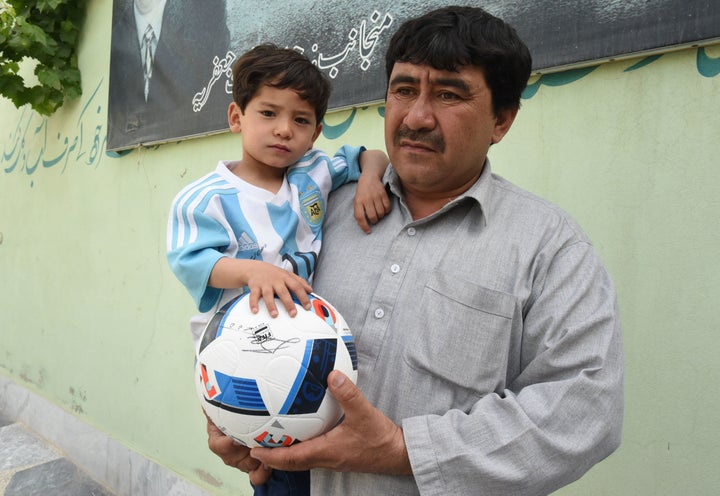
(30, 466)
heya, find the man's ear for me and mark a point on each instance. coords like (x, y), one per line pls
(234, 115)
(503, 121)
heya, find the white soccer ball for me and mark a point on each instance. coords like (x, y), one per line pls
(263, 380)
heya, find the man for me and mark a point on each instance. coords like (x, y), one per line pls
(486, 327)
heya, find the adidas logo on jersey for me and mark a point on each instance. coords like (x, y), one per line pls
(246, 243)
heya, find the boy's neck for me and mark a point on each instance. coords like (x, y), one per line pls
(264, 177)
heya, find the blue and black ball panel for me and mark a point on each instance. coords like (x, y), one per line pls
(239, 395)
(308, 390)
(350, 345)
(214, 328)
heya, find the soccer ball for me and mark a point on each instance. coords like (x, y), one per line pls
(263, 380)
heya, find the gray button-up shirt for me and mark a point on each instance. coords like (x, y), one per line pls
(489, 331)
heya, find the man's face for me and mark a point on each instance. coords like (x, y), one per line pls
(439, 126)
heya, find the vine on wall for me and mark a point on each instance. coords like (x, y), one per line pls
(45, 32)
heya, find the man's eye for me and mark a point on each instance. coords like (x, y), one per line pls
(448, 96)
(404, 91)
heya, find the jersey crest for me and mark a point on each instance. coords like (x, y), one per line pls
(312, 207)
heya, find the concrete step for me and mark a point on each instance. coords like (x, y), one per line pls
(30, 465)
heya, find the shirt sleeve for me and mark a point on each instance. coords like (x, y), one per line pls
(196, 241)
(345, 165)
(562, 412)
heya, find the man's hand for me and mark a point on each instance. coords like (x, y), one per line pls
(236, 455)
(365, 441)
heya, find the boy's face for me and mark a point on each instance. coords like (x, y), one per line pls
(277, 128)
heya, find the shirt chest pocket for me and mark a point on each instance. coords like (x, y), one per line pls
(461, 334)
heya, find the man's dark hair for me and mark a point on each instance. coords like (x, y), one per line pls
(452, 37)
(270, 65)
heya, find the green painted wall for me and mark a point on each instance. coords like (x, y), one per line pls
(92, 319)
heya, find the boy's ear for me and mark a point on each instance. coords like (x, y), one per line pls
(318, 129)
(234, 114)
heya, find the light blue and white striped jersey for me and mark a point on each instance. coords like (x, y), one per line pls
(220, 215)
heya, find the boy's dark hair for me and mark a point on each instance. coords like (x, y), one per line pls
(268, 64)
(452, 37)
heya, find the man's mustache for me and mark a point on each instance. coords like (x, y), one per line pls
(432, 140)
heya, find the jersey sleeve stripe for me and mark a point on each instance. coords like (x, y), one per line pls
(184, 225)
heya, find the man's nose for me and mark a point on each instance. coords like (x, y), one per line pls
(421, 114)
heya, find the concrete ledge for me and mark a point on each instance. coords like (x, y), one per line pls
(105, 460)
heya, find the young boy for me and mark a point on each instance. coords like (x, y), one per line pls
(255, 224)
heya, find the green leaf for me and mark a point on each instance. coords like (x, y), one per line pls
(9, 67)
(68, 32)
(31, 34)
(48, 5)
(48, 31)
(48, 77)
(11, 85)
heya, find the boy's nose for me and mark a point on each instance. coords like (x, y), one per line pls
(282, 129)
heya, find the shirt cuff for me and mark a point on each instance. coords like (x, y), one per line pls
(421, 452)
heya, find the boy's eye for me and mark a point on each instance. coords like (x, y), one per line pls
(267, 113)
(302, 120)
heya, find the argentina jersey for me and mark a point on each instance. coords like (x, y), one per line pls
(222, 215)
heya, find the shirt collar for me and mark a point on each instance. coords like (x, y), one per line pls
(480, 192)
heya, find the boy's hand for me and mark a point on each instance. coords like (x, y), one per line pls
(371, 201)
(266, 281)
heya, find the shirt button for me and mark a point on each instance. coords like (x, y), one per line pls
(411, 231)
(379, 313)
(394, 268)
